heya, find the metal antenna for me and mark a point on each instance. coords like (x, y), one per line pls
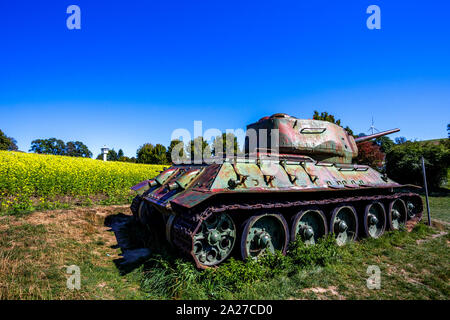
(372, 128)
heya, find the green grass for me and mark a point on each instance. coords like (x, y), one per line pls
(447, 184)
(35, 252)
(408, 271)
(36, 249)
(439, 202)
(439, 208)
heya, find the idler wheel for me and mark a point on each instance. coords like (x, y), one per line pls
(214, 240)
(264, 233)
(344, 224)
(309, 225)
(374, 220)
(397, 214)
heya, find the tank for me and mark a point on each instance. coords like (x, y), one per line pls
(296, 180)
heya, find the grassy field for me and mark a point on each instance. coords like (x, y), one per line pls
(33, 181)
(37, 248)
(439, 208)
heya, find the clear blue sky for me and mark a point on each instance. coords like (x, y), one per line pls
(137, 70)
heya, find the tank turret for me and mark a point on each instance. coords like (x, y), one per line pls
(322, 140)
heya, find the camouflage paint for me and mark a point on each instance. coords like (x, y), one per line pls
(325, 140)
(189, 185)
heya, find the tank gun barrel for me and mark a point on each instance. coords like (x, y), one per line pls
(375, 135)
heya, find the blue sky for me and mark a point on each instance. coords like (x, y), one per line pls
(137, 70)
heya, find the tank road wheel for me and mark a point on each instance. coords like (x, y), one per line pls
(397, 214)
(344, 224)
(264, 233)
(374, 220)
(310, 225)
(411, 210)
(214, 240)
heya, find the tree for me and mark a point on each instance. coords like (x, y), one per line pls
(4, 141)
(144, 153)
(403, 163)
(325, 116)
(220, 145)
(400, 140)
(120, 153)
(385, 143)
(77, 149)
(179, 155)
(150, 154)
(369, 153)
(198, 149)
(13, 146)
(7, 143)
(127, 159)
(160, 154)
(361, 135)
(58, 147)
(48, 146)
(112, 155)
(448, 130)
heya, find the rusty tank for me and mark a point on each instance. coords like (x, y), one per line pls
(260, 201)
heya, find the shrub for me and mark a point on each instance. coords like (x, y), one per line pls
(403, 163)
(323, 253)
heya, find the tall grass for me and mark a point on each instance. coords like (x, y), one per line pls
(168, 277)
(324, 265)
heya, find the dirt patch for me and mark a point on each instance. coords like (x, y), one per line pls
(324, 293)
(410, 224)
(97, 212)
(434, 236)
(439, 224)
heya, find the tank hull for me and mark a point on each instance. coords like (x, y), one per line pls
(262, 197)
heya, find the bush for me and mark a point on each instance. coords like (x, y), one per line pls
(403, 163)
(321, 254)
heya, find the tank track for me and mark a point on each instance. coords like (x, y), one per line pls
(186, 224)
(134, 207)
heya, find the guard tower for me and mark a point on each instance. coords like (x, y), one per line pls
(105, 151)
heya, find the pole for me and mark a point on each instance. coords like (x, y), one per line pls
(426, 190)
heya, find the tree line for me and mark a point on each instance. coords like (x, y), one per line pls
(60, 148)
(147, 153)
(159, 154)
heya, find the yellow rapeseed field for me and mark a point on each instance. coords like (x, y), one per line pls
(29, 181)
